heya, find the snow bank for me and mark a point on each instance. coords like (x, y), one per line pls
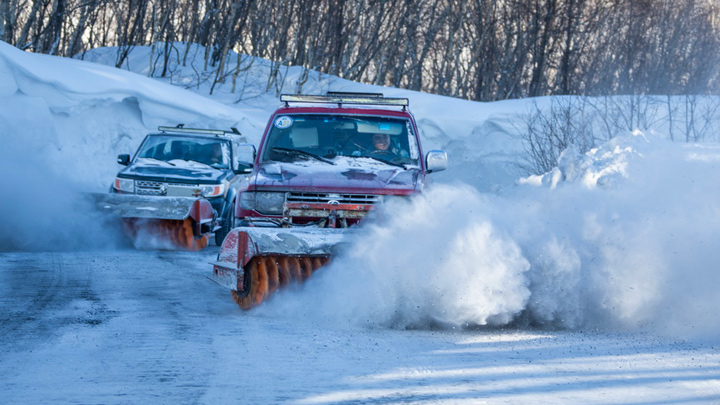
(76, 116)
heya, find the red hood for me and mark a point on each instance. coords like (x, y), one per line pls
(344, 177)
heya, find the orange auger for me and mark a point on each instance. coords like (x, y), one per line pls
(179, 233)
(184, 222)
(254, 262)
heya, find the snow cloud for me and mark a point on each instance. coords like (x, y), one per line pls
(46, 212)
(437, 258)
(622, 238)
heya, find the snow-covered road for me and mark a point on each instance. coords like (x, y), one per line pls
(131, 326)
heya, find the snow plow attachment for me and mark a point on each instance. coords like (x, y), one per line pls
(254, 262)
(184, 222)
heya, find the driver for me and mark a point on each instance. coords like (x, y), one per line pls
(217, 154)
(381, 145)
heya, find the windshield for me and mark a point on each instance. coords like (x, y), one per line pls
(213, 152)
(389, 140)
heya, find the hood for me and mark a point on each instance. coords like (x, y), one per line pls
(182, 172)
(350, 176)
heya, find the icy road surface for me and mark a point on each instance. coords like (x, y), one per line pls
(149, 327)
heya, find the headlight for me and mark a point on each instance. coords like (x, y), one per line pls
(124, 185)
(212, 190)
(267, 203)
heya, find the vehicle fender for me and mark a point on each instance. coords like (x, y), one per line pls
(229, 198)
(201, 211)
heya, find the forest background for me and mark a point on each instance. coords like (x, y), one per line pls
(481, 50)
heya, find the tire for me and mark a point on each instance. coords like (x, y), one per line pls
(228, 223)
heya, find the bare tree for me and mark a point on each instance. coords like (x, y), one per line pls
(5, 21)
(547, 132)
(479, 50)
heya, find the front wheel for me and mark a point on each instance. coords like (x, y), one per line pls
(228, 223)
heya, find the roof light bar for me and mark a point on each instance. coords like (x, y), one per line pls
(353, 94)
(345, 98)
(182, 130)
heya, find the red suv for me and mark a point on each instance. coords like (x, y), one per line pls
(327, 160)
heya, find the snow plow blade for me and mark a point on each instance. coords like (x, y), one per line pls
(184, 222)
(254, 262)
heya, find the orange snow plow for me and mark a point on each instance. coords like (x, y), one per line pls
(183, 222)
(254, 262)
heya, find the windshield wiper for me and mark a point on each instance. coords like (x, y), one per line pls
(387, 162)
(213, 166)
(298, 152)
(158, 161)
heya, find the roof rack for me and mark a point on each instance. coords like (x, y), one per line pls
(180, 128)
(340, 98)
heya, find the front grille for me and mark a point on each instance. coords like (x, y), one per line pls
(148, 187)
(327, 197)
(145, 187)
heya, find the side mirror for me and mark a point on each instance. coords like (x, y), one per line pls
(244, 168)
(246, 158)
(436, 160)
(123, 159)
